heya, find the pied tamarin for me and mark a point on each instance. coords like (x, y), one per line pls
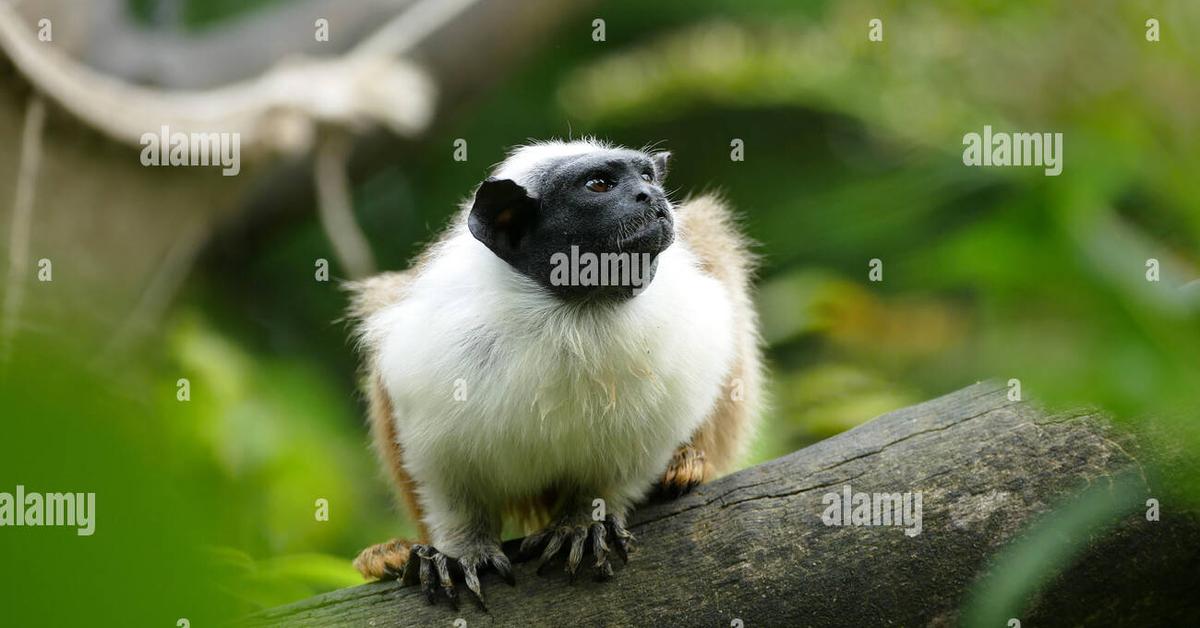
(502, 382)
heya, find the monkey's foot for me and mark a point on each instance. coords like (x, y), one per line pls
(384, 561)
(687, 470)
(434, 570)
(578, 534)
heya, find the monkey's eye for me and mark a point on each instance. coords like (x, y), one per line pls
(647, 176)
(598, 184)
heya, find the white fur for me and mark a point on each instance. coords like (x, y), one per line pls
(589, 398)
(526, 163)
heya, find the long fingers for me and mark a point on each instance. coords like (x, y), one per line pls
(443, 573)
(602, 538)
(503, 567)
(427, 579)
(471, 578)
(578, 537)
(434, 570)
(552, 547)
(604, 569)
(622, 538)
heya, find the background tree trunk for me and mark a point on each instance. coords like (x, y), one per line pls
(122, 237)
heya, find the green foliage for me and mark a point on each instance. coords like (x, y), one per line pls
(76, 432)
(260, 424)
(197, 14)
(852, 153)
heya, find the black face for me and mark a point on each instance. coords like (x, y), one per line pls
(592, 229)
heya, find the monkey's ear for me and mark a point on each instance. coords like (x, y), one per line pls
(660, 163)
(502, 215)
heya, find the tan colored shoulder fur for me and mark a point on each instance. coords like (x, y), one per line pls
(708, 227)
(368, 296)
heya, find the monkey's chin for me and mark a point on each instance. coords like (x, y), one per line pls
(586, 282)
(653, 238)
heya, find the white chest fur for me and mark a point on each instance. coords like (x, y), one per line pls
(501, 391)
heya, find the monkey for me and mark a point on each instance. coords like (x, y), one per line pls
(503, 386)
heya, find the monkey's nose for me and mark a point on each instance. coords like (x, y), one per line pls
(642, 197)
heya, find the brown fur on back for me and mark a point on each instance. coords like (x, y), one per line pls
(391, 454)
(708, 227)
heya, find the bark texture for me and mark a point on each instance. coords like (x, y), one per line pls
(752, 546)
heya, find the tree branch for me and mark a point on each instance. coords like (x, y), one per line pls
(275, 111)
(752, 546)
(335, 206)
(22, 222)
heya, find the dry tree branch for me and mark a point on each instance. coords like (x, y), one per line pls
(22, 220)
(275, 111)
(335, 206)
(753, 546)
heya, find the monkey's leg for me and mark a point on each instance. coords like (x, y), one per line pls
(578, 532)
(466, 541)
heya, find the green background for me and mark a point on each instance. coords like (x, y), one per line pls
(852, 152)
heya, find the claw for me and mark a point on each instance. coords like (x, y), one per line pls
(622, 547)
(575, 554)
(434, 570)
(531, 543)
(443, 572)
(504, 568)
(602, 538)
(471, 577)
(409, 577)
(427, 580)
(552, 548)
(621, 537)
(604, 570)
(599, 542)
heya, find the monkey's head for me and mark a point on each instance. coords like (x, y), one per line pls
(582, 219)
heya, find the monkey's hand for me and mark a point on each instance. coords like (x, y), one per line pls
(579, 533)
(686, 471)
(433, 569)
